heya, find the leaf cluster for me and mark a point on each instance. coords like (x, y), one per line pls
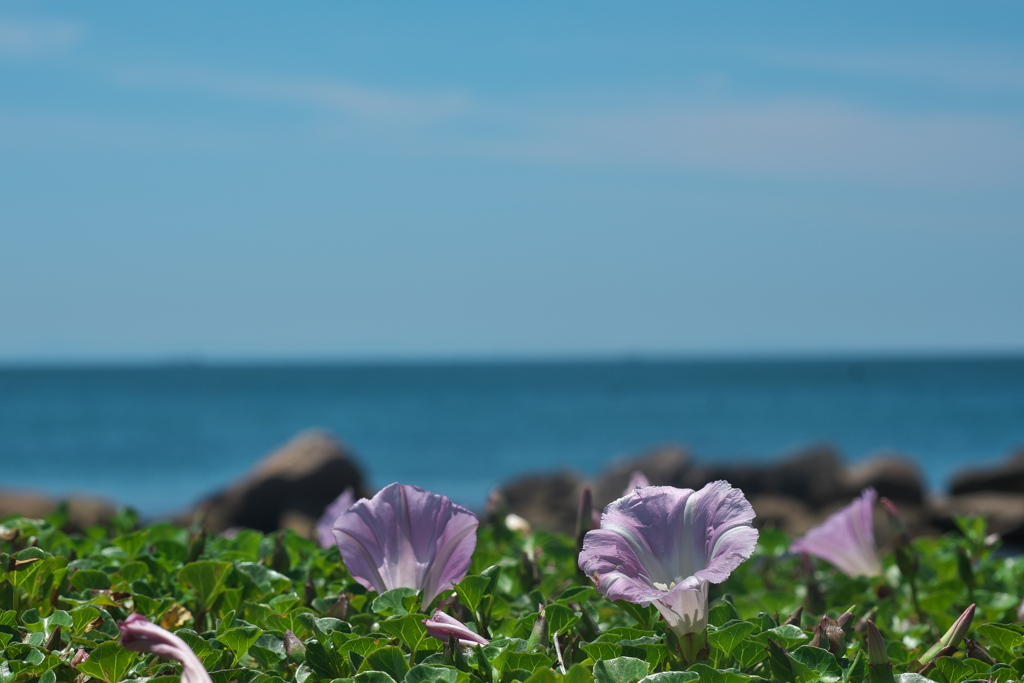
(262, 608)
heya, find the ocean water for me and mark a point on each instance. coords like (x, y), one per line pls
(158, 438)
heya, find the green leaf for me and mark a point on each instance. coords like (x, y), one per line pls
(1002, 673)
(390, 660)
(133, 571)
(90, 579)
(542, 676)
(728, 636)
(207, 655)
(651, 649)
(268, 650)
(599, 650)
(132, 543)
(788, 635)
(372, 677)
(398, 601)
(821, 662)
(108, 662)
(722, 612)
(239, 640)
(560, 618)
(913, 678)
(710, 675)
(620, 670)
(645, 616)
(578, 673)
(408, 628)
(1006, 637)
(264, 578)
(781, 664)
(672, 677)
(955, 670)
(471, 591)
(529, 661)
(324, 661)
(207, 578)
(421, 673)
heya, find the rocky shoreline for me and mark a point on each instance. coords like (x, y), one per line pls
(290, 488)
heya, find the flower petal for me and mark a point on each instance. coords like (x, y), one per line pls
(141, 635)
(676, 533)
(609, 559)
(442, 627)
(685, 607)
(636, 480)
(325, 525)
(846, 539)
(406, 537)
(454, 552)
(725, 516)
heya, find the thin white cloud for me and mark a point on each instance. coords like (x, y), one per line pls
(366, 102)
(975, 71)
(784, 138)
(32, 39)
(789, 138)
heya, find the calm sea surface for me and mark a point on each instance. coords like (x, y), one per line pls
(158, 438)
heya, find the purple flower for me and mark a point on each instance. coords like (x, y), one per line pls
(663, 545)
(846, 539)
(325, 525)
(443, 627)
(405, 537)
(636, 479)
(141, 635)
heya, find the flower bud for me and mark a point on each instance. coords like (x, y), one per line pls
(828, 635)
(516, 523)
(794, 618)
(951, 638)
(293, 647)
(79, 657)
(976, 650)
(874, 644)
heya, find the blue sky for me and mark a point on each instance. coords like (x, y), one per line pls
(249, 180)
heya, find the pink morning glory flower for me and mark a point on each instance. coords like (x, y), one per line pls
(325, 525)
(663, 545)
(846, 539)
(141, 635)
(405, 537)
(443, 627)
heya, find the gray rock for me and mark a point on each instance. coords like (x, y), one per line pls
(82, 511)
(664, 466)
(288, 489)
(1003, 512)
(549, 501)
(893, 476)
(813, 476)
(1007, 477)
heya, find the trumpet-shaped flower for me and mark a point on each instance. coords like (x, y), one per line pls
(443, 627)
(846, 539)
(141, 635)
(663, 545)
(325, 525)
(405, 537)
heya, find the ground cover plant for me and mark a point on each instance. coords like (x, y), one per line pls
(278, 607)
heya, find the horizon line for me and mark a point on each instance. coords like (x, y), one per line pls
(478, 359)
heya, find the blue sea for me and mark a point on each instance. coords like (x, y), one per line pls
(158, 438)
